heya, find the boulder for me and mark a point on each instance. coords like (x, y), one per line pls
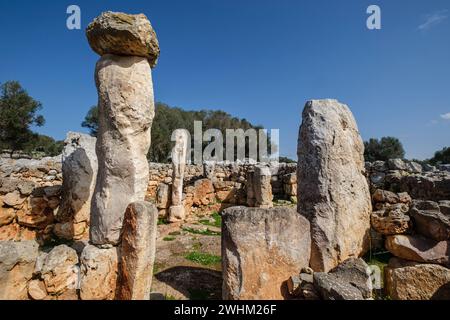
(405, 280)
(397, 164)
(419, 249)
(99, 268)
(330, 287)
(17, 260)
(429, 221)
(332, 190)
(357, 273)
(59, 270)
(261, 249)
(124, 35)
(203, 192)
(79, 171)
(390, 222)
(138, 246)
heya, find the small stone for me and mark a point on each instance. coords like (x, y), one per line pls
(36, 289)
(7, 215)
(430, 223)
(14, 199)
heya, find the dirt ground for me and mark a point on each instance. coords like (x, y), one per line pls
(188, 264)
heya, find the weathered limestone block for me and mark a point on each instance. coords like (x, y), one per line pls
(332, 190)
(203, 192)
(261, 249)
(17, 260)
(390, 221)
(263, 187)
(419, 249)
(357, 273)
(79, 171)
(163, 196)
(99, 268)
(59, 270)
(429, 221)
(123, 34)
(179, 157)
(138, 248)
(405, 280)
(330, 287)
(126, 111)
(37, 290)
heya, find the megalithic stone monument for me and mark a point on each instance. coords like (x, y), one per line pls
(333, 193)
(129, 49)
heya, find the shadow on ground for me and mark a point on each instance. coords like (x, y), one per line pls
(193, 282)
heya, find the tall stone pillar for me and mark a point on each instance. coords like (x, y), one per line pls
(332, 190)
(179, 156)
(128, 48)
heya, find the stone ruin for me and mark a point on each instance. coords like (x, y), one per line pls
(96, 198)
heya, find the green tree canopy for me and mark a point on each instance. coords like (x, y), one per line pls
(441, 157)
(18, 112)
(384, 149)
(167, 119)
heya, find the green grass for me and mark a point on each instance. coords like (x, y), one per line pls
(175, 233)
(217, 221)
(169, 238)
(162, 221)
(206, 232)
(202, 258)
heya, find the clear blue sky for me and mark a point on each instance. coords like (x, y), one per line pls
(256, 59)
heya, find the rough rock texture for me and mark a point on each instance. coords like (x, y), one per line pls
(59, 270)
(123, 34)
(138, 246)
(37, 290)
(429, 221)
(79, 171)
(405, 280)
(261, 249)
(263, 187)
(179, 154)
(203, 192)
(357, 273)
(330, 287)
(17, 261)
(390, 222)
(419, 249)
(99, 269)
(332, 190)
(126, 111)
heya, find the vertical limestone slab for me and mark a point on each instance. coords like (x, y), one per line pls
(126, 111)
(332, 190)
(179, 154)
(261, 249)
(138, 248)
